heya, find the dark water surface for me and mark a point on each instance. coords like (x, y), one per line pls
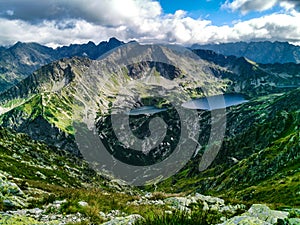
(215, 102)
(145, 110)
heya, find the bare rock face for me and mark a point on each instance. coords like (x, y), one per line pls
(162, 69)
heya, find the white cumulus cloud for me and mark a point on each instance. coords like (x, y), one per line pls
(104, 12)
(61, 22)
(245, 6)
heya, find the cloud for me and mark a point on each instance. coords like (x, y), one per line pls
(295, 3)
(275, 27)
(104, 12)
(144, 21)
(55, 34)
(245, 6)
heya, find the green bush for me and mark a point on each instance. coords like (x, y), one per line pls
(182, 218)
(71, 207)
(1, 205)
(294, 213)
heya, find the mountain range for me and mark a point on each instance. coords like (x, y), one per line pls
(63, 102)
(22, 59)
(260, 52)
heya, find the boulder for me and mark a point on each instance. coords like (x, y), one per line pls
(179, 203)
(245, 220)
(128, 220)
(209, 199)
(264, 213)
(83, 204)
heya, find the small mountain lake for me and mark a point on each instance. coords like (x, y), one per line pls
(145, 110)
(215, 102)
(205, 103)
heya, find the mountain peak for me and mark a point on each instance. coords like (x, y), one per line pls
(114, 42)
(20, 44)
(90, 43)
(113, 39)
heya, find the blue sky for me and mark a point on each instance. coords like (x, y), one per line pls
(62, 22)
(196, 9)
(199, 9)
(211, 10)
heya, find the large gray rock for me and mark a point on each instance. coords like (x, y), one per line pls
(209, 204)
(258, 215)
(209, 199)
(179, 203)
(245, 220)
(128, 220)
(264, 213)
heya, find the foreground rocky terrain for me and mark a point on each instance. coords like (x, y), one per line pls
(179, 208)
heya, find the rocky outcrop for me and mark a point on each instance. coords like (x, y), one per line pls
(169, 204)
(208, 203)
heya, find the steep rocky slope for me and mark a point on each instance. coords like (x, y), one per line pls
(259, 158)
(37, 168)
